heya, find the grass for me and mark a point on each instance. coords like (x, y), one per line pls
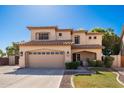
(102, 79)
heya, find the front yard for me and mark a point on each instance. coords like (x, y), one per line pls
(103, 78)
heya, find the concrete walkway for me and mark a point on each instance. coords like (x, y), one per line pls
(11, 76)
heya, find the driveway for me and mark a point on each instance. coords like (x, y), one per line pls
(14, 77)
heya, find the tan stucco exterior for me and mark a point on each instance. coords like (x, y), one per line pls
(24, 49)
(28, 60)
(65, 35)
(97, 51)
(51, 32)
(98, 39)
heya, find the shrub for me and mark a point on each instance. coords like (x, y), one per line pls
(99, 63)
(108, 61)
(72, 65)
(92, 63)
(95, 63)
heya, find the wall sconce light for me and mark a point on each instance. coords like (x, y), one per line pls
(21, 53)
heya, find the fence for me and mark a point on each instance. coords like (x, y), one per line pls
(117, 60)
(13, 60)
(4, 61)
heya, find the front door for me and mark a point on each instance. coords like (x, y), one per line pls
(74, 57)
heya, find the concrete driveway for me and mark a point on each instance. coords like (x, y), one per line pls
(13, 77)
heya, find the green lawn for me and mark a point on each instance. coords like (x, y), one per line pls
(103, 79)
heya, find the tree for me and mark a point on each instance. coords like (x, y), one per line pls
(110, 41)
(12, 50)
(2, 53)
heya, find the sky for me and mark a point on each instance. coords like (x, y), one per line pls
(15, 19)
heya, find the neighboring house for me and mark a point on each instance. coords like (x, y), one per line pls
(51, 47)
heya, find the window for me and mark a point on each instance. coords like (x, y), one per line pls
(90, 37)
(48, 53)
(43, 53)
(94, 37)
(77, 39)
(43, 36)
(78, 57)
(30, 53)
(52, 52)
(60, 34)
(57, 52)
(61, 52)
(34, 53)
(39, 53)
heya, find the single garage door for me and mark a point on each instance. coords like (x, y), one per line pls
(48, 59)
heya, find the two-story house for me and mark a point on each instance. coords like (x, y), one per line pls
(51, 47)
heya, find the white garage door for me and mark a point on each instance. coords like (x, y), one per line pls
(46, 59)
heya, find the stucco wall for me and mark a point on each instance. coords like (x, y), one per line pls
(82, 37)
(85, 55)
(98, 39)
(66, 35)
(97, 51)
(117, 61)
(52, 34)
(24, 49)
(11, 60)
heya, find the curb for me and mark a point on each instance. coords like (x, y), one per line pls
(117, 78)
(72, 83)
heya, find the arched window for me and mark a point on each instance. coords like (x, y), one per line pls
(77, 39)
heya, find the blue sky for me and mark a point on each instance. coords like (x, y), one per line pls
(15, 19)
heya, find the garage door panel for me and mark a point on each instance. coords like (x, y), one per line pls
(46, 60)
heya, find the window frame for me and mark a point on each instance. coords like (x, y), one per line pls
(43, 36)
(77, 39)
(95, 37)
(60, 34)
(90, 37)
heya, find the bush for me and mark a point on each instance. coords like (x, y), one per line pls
(92, 63)
(72, 65)
(95, 63)
(108, 61)
(99, 63)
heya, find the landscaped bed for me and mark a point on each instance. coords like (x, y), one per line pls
(104, 78)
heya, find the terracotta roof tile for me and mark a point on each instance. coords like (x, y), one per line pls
(50, 42)
(86, 46)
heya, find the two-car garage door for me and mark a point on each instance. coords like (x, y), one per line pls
(46, 59)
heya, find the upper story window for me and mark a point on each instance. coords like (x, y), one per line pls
(77, 39)
(94, 37)
(60, 34)
(90, 37)
(43, 36)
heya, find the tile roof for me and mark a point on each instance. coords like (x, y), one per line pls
(50, 42)
(86, 46)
